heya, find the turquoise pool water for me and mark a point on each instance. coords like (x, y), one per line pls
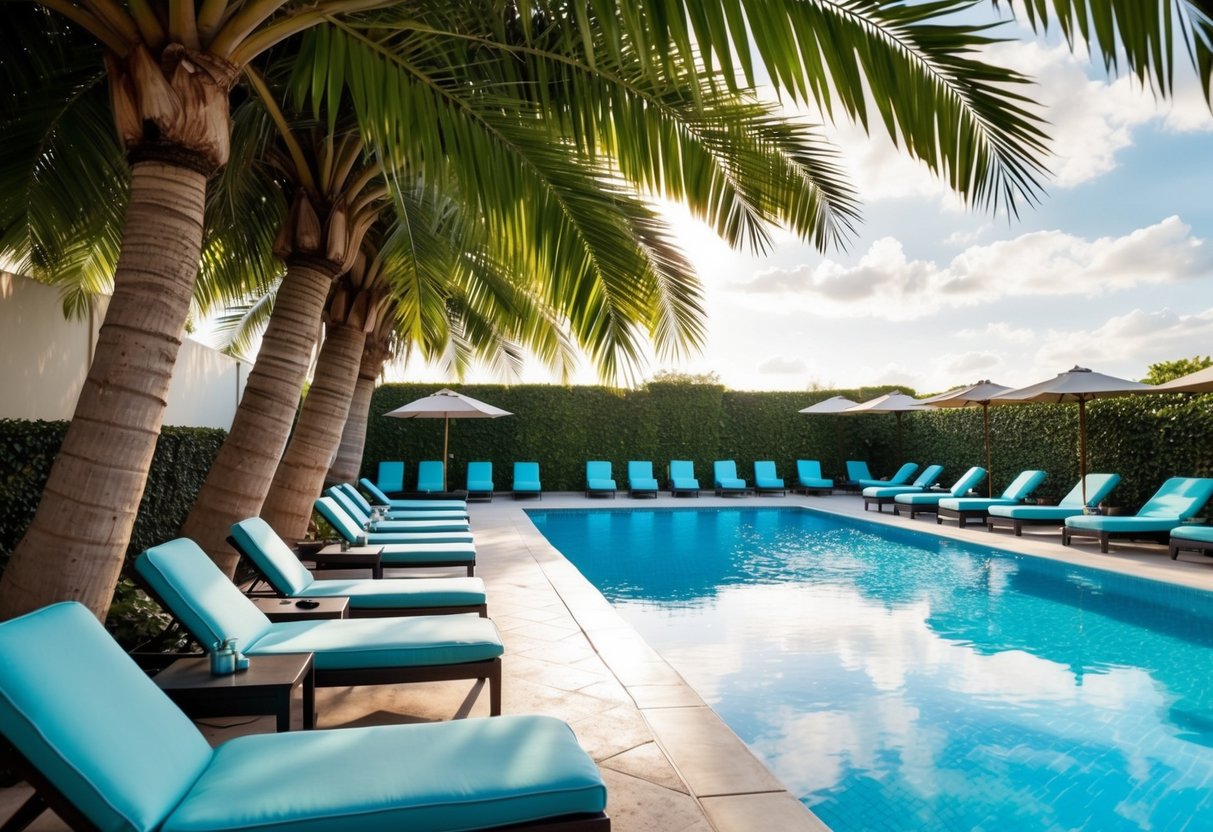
(895, 680)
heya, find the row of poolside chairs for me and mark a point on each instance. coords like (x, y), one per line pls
(107, 749)
(1166, 517)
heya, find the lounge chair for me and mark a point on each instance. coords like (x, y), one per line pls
(725, 479)
(1015, 518)
(924, 503)
(640, 479)
(883, 495)
(281, 569)
(766, 480)
(107, 749)
(1191, 539)
(347, 651)
(902, 477)
(404, 549)
(419, 523)
(963, 509)
(403, 513)
(390, 479)
(480, 481)
(429, 477)
(857, 470)
(682, 478)
(809, 478)
(526, 480)
(382, 499)
(598, 479)
(1177, 501)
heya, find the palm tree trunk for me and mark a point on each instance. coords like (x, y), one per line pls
(353, 438)
(242, 472)
(300, 475)
(75, 547)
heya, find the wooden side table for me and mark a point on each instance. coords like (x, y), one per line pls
(265, 688)
(355, 557)
(289, 609)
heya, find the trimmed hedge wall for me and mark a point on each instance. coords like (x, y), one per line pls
(1145, 439)
(183, 457)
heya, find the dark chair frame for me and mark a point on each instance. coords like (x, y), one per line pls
(1016, 524)
(1104, 536)
(1183, 544)
(961, 516)
(358, 612)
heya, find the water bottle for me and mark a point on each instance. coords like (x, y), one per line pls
(223, 657)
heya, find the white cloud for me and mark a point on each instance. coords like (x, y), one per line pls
(886, 284)
(1154, 336)
(782, 365)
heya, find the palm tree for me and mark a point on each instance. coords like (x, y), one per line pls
(170, 67)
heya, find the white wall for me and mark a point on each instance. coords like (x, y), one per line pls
(45, 358)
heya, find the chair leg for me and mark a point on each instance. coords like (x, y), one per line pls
(495, 689)
(1103, 542)
(26, 814)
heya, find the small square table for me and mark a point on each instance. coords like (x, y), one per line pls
(288, 609)
(265, 688)
(355, 557)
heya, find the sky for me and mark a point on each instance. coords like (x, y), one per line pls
(1113, 270)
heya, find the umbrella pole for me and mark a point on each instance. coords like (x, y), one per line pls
(900, 453)
(985, 417)
(1082, 447)
(838, 443)
(446, 436)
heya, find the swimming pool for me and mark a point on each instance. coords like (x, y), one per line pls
(895, 680)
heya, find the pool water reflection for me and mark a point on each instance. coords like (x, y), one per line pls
(895, 680)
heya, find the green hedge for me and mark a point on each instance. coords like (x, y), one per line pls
(183, 457)
(1145, 439)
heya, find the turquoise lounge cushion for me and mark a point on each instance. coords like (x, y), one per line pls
(92, 722)
(640, 476)
(391, 476)
(968, 480)
(436, 777)
(765, 475)
(598, 476)
(354, 494)
(682, 475)
(1202, 533)
(526, 476)
(1034, 512)
(428, 521)
(808, 474)
(207, 603)
(1118, 525)
(406, 554)
(384, 642)
(1022, 486)
(402, 593)
(890, 490)
(725, 475)
(1181, 497)
(273, 558)
(974, 503)
(364, 506)
(480, 477)
(858, 470)
(429, 475)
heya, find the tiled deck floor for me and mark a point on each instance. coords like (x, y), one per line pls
(669, 762)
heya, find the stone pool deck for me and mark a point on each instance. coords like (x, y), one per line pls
(669, 762)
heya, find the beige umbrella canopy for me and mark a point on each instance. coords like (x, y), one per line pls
(1078, 385)
(895, 403)
(980, 393)
(447, 405)
(833, 405)
(1200, 381)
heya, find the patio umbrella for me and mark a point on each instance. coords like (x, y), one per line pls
(1078, 385)
(895, 403)
(447, 405)
(1200, 381)
(833, 405)
(980, 393)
